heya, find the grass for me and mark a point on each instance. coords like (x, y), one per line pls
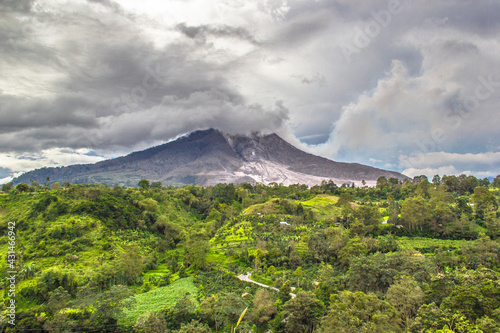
(323, 205)
(262, 279)
(159, 299)
(301, 247)
(427, 245)
(269, 207)
(230, 238)
(218, 256)
(161, 269)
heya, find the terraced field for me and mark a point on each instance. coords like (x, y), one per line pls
(159, 299)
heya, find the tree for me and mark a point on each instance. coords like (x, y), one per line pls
(302, 313)
(381, 182)
(496, 182)
(212, 310)
(284, 293)
(483, 201)
(358, 312)
(223, 310)
(490, 324)
(423, 186)
(271, 270)
(436, 180)
(452, 184)
(109, 308)
(394, 181)
(415, 212)
(156, 185)
(168, 226)
(22, 187)
(224, 193)
(263, 308)
(184, 311)
(468, 183)
(55, 186)
(368, 215)
(431, 318)
(355, 247)
(298, 273)
(420, 179)
(475, 293)
(7, 187)
(61, 322)
(196, 247)
(318, 244)
(241, 193)
(193, 327)
(406, 296)
(144, 184)
(375, 273)
(442, 215)
(151, 323)
(57, 300)
(130, 263)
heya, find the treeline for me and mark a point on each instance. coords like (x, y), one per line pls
(84, 250)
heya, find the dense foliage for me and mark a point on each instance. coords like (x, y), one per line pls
(417, 256)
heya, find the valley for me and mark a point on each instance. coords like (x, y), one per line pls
(177, 259)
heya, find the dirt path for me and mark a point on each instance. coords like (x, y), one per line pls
(246, 278)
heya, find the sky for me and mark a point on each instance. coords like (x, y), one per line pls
(405, 85)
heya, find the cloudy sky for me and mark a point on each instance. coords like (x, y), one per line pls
(412, 86)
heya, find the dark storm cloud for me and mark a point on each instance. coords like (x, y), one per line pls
(113, 77)
(108, 3)
(34, 113)
(23, 6)
(203, 31)
(115, 88)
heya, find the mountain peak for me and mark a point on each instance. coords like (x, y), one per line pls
(208, 157)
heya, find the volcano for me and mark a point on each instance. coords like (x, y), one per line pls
(208, 157)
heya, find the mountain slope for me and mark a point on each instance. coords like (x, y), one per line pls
(208, 157)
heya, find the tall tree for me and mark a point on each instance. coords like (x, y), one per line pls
(22, 187)
(357, 312)
(406, 296)
(415, 212)
(483, 201)
(130, 264)
(196, 250)
(496, 182)
(144, 184)
(302, 313)
(263, 308)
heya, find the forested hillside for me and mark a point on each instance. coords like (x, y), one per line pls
(418, 256)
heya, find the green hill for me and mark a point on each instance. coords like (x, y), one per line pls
(99, 258)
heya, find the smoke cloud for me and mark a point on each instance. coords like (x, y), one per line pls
(84, 80)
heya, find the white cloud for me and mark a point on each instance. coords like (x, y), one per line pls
(450, 170)
(443, 158)
(19, 163)
(5, 180)
(430, 172)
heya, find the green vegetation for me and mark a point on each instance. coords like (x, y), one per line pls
(400, 257)
(159, 299)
